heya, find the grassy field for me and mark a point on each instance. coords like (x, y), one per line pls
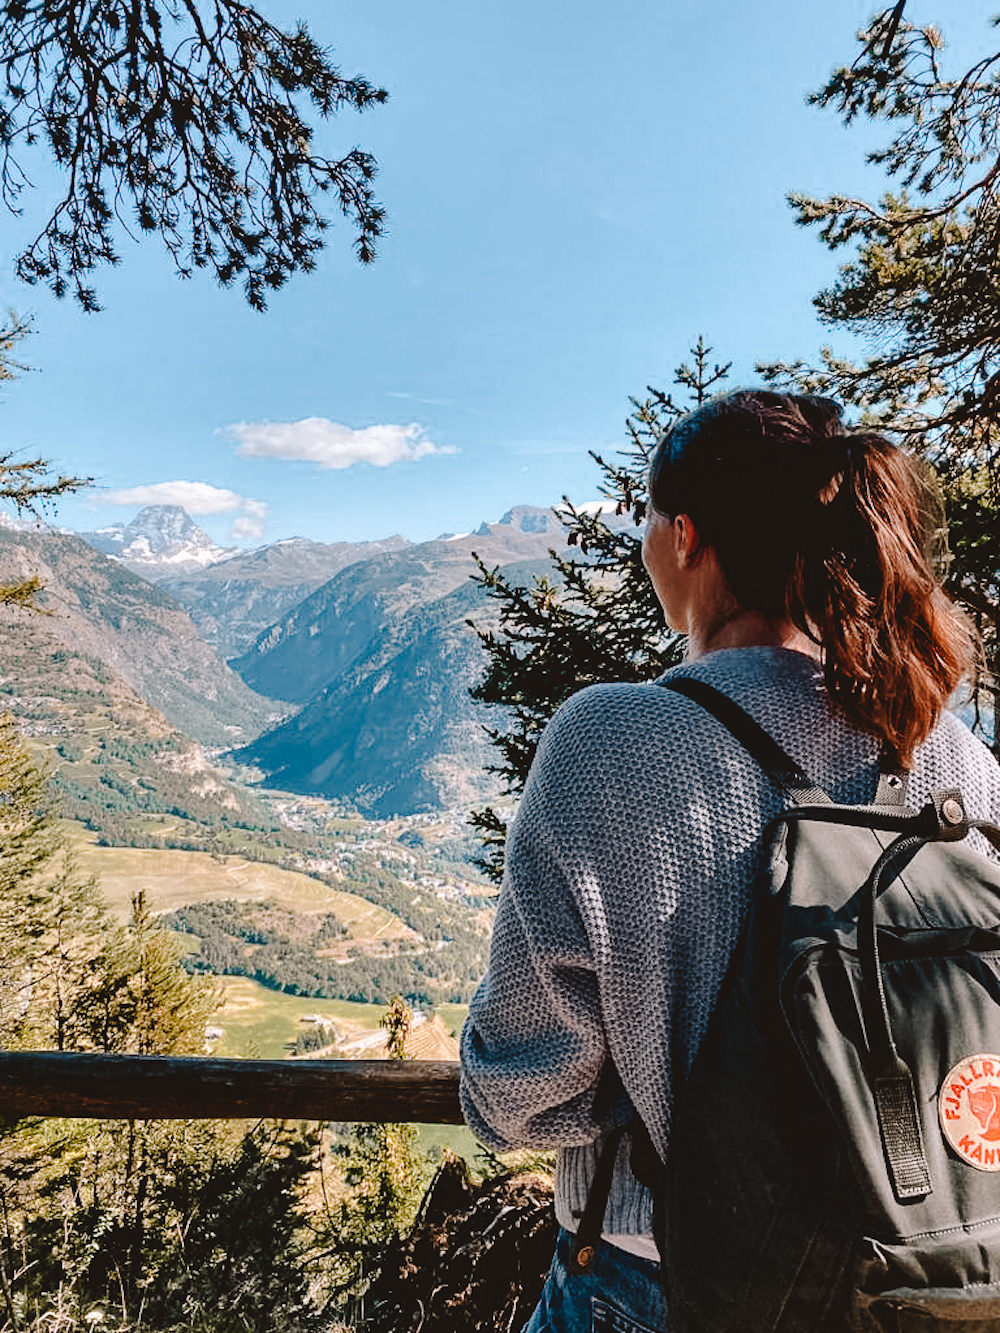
(453, 1016)
(259, 1023)
(173, 879)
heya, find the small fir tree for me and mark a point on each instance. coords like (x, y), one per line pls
(595, 616)
(382, 1174)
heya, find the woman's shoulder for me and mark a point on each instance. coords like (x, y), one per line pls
(953, 757)
(616, 712)
(736, 671)
(612, 728)
(611, 700)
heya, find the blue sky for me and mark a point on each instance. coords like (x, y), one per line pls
(575, 192)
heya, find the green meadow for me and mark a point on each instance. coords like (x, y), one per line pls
(453, 1016)
(260, 1024)
(173, 879)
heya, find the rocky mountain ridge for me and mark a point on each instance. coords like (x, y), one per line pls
(237, 599)
(370, 640)
(96, 606)
(159, 537)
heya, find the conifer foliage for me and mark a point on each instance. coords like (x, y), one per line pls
(922, 282)
(384, 1172)
(180, 118)
(921, 285)
(27, 485)
(594, 617)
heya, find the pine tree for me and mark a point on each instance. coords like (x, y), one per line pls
(594, 617)
(141, 1000)
(191, 121)
(245, 1251)
(923, 282)
(922, 286)
(52, 922)
(27, 485)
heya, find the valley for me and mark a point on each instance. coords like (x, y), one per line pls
(298, 825)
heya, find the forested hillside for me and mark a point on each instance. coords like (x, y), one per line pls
(154, 809)
(396, 731)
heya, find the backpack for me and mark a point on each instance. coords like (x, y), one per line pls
(834, 1159)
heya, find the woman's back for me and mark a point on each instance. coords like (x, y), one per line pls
(628, 877)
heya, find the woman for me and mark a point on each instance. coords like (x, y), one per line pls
(794, 556)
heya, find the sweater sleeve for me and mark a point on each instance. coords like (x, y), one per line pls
(534, 1046)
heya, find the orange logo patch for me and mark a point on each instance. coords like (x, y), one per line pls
(969, 1110)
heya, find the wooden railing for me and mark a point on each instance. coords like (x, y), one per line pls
(164, 1087)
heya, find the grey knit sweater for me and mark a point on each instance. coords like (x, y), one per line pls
(627, 877)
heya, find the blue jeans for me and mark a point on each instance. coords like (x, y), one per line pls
(619, 1293)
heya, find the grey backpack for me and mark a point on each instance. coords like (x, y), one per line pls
(834, 1160)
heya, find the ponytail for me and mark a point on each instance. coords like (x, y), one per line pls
(895, 648)
(832, 531)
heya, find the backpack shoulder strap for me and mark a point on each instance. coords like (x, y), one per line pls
(780, 767)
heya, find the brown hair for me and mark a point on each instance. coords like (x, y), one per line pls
(832, 530)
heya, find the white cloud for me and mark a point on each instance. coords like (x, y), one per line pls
(415, 398)
(331, 445)
(247, 529)
(197, 497)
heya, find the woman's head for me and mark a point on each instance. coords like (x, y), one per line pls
(831, 530)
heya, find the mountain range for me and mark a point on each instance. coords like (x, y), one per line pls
(231, 595)
(349, 662)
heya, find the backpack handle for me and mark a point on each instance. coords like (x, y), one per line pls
(889, 1076)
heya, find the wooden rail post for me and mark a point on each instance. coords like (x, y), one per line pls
(164, 1087)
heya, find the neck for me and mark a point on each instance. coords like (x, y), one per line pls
(739, 628)
(713, 618)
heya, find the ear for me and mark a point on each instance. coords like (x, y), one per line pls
(688, 539)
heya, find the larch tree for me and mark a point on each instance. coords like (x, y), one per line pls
(381, 1172)
(595, 616)
(921, 285)
(190, 119)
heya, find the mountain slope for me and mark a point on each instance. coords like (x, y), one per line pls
(396, 732)
(311, 646)
(95, 606)
(114, 759)
(236, 599)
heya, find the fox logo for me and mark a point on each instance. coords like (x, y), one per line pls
(984, 1103)
(969, 1110)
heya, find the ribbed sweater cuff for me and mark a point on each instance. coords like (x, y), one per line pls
(630, 1206)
